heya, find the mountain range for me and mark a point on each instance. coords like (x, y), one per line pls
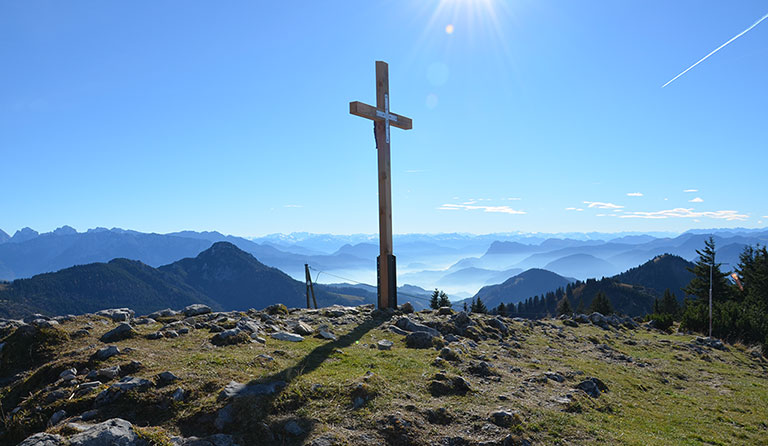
(460, 264)
(223, 277)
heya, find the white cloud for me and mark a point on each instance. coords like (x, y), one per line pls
(513, 199)
(696, 200)
(687, 213)
(635, 194)
(467, 207)
(688, 191)
(574, 209)
(600, 205)
(292, 206)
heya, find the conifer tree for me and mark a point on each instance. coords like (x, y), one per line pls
(444, 301)
(564, 306)
(434, 300)
(601, 304)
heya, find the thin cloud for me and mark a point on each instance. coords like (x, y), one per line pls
(635, 194)
(696, 200)
(574, 209)
(687, 213)
(497, 209)
(688, 191)
(718, 49)
(292, 206)
(601, 205)
(512, 199)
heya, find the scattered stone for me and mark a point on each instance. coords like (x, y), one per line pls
(292, 428)
(450, 354)
(231, 337)
(196, 310)
(167, 377)
(248, 325)
(285, 336)
(57, 395)
(385, 344)
(57, 417)
(43, 439)
(119, 333)
(303, 329)
(444, 311)
(482, 368)
(408, 325)
(144, 321)
(406, 308)
(171, 334)
(163, 313)
(68, 374)
(89, 415)
(593, 387)
(498, 324)
(554, 376)
(711, 342)
(440, 415)
(224, 417)
(276, 309)
(443, 384)
(178, 394)
(106, 373)
(130, 383)
(115, 431)
(327, 335)
(237, 390)
(155, 335)
(117, 314)
(419, 339)
(503, 418)
(107, 352)
(570, 323)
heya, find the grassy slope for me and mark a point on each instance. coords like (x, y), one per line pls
(680, 397)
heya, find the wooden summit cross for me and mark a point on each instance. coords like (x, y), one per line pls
(382, 118)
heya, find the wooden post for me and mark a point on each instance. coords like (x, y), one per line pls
(385, 264)
(310, 286)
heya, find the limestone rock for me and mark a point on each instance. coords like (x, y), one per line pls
(384, 344)
(406, 324)
(115, 431)
(503, 418)
(419, 339)
(237, 390)
(119, 333)
(117, 314)
(43, 439)
(107, 352)
(593, 387)
(196, 310)
(285, 336)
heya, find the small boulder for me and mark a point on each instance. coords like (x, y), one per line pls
(167, 377)
(117, 314)
(406, 308)
(107, 352)
(592, 387)
(285, 336)
(119, 333)
(293, 428)
(444, 311)
(504, 418)
(231, 337)
(57, 417)
(385, 344)
(419, 339)
(302, 328)
(276, 309)
(196, 310)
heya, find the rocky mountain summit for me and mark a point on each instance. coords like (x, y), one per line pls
(354, 375)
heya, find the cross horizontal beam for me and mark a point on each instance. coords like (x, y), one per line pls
(366, 111)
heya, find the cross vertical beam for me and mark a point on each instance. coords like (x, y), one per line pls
(383, 119)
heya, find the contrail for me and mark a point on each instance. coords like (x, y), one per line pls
(718, 49)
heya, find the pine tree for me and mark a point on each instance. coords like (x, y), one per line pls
(564, 306)
(501, 310)
(478, 306)
(699, 286)
(601, 304)
(444, 301)
(465, 307)
(668, 304)
(434, 300)
(580, 306)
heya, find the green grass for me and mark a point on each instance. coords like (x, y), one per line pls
(680, 398)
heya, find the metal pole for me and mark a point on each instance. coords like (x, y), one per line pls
(711, 266)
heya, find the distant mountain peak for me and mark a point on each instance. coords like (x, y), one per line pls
(4, 237)
(24, 234)
(64, 230)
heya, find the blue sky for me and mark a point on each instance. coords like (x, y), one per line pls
(534, 116)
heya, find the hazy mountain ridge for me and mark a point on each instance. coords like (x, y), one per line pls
(223, 276)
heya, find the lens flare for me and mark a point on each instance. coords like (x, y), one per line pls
(449, 29)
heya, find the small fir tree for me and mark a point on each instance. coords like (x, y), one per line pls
(564, 306)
